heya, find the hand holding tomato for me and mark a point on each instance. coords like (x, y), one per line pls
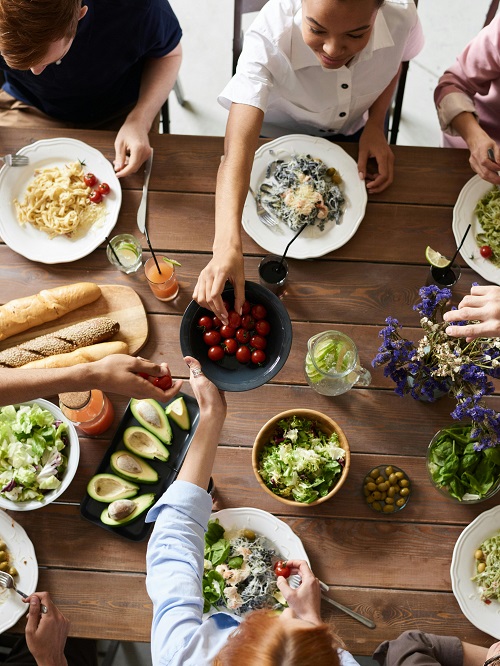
(281, 569)
(305, 600)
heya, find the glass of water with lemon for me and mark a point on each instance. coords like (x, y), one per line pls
(442, 272)
(125, 252)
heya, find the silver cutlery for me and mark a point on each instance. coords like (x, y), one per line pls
(294, 582)
(7, 581)
(262, 213)
(15, 160)
(141, 213)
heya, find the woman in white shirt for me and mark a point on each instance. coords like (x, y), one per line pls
(321, 67)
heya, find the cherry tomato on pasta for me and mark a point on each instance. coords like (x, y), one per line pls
(485, 251)
(95, 196)
(89, 179)
(104, 189)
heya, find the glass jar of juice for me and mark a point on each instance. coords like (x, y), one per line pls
(163, 284)
(91, 411)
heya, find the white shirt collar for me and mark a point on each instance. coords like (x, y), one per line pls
(302, 56)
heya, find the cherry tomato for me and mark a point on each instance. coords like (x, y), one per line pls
(247, 322)
(258, 342)
(226, 304)
(163, 383)
(246, 307)
(216, 322)
(104, 189)
(89, 179)
(485, 251)
(243, 354)
(227, 331)
(211, 338)
(95, 196)
(281, 569)
(258, 357)
(242, 335)
(259, 312)
(230, 346)
(205, 323)
(215, 353)
(234, 319)
(263, 327)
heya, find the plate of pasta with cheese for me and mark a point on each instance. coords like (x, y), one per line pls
(62, 205)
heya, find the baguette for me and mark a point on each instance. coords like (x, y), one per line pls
(68, 339)
(23, 313)
(83, 355)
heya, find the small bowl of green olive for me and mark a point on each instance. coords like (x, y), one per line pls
(386, 489)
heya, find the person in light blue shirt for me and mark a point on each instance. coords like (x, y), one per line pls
(180, 636)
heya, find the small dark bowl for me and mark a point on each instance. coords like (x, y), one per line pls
(228, 374)
(397, 497)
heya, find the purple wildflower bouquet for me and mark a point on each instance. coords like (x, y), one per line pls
(439, 364)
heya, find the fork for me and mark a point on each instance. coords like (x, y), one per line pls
(262, 213)
(15, 160)
(7, 581)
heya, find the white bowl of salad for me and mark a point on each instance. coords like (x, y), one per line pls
(301, 456)
(39, 454)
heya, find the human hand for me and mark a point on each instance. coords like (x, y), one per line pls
(481, 147)
(225, 265)
(493, 651)
(482, 305)
(131, 147)
(46, 633)
(211, 401)
(305, 600)
(373, 144)
(119, 373)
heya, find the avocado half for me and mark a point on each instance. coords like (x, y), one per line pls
(143, 443)
(177, 411)
(133, 468)
(108, 488)
(129, 512)
(151, 416)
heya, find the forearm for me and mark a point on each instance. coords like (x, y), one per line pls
(18, 385)
(158, 78)
(197, 466)
(378, 110)
(469, 129)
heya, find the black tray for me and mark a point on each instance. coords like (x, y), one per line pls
(138, 530)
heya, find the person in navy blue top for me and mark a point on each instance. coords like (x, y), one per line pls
(102, 64)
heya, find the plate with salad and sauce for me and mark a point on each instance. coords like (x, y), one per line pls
(245, 550)
(301, 179)
(484, 614)
(464, 213)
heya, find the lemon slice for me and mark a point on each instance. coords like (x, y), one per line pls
(171, 261)
(436, 258)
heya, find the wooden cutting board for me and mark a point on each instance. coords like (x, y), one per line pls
(118, 302)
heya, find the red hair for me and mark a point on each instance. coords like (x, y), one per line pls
(29, 27)
(263, 640)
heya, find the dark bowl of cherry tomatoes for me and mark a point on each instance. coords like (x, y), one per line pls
(249, 351)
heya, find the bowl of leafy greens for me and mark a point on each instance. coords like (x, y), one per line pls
(301, 456)
(39, 454)
(459, 471)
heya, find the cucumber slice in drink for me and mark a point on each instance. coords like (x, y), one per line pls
(329, 357)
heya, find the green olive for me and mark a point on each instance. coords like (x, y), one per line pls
(389, 470)
(399, 475)
(3, 545)
(389, 500)
(481, 567)
(366, 492)
(370, 499)
(375, 473)
(401, 502)
(377, 506)
(379, 479)
(4, 566)
(371, 486)
(3, 556)
(13, 571)
(376, 495)
(249, 534)
(404, 483)
(479, 555)
(393, 479)
(383, 486)
(404, 492)
(388, 508)
(391, 491)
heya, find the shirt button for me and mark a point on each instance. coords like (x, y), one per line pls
(344, 86)
(343, 114)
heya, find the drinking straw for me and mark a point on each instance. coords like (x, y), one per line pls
(460, 246)
(113, 250)
(151, 249)
(286, 249)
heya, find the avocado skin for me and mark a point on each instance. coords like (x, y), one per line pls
(143, 503)
(131, 491)
(148, 474)
(164, 433)
(161, 453)
(182, 419)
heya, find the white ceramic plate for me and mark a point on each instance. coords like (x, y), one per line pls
(73, 454)
(485, 617)
(33, 243)
(312, 242)
(24, 559)
(463, 215)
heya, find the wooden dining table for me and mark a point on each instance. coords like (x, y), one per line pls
(394, 569)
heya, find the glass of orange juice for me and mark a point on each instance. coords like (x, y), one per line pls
(163, 284)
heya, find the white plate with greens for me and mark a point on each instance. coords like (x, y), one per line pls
(35, 244)
(463, 215)
(312, 242)
(485, 617)
(23, 559)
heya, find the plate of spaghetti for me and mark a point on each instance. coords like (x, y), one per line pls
(46, 211)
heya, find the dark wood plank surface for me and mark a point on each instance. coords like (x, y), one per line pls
(98, 579)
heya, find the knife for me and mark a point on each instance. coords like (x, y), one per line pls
(360, 618)
(141, 213)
